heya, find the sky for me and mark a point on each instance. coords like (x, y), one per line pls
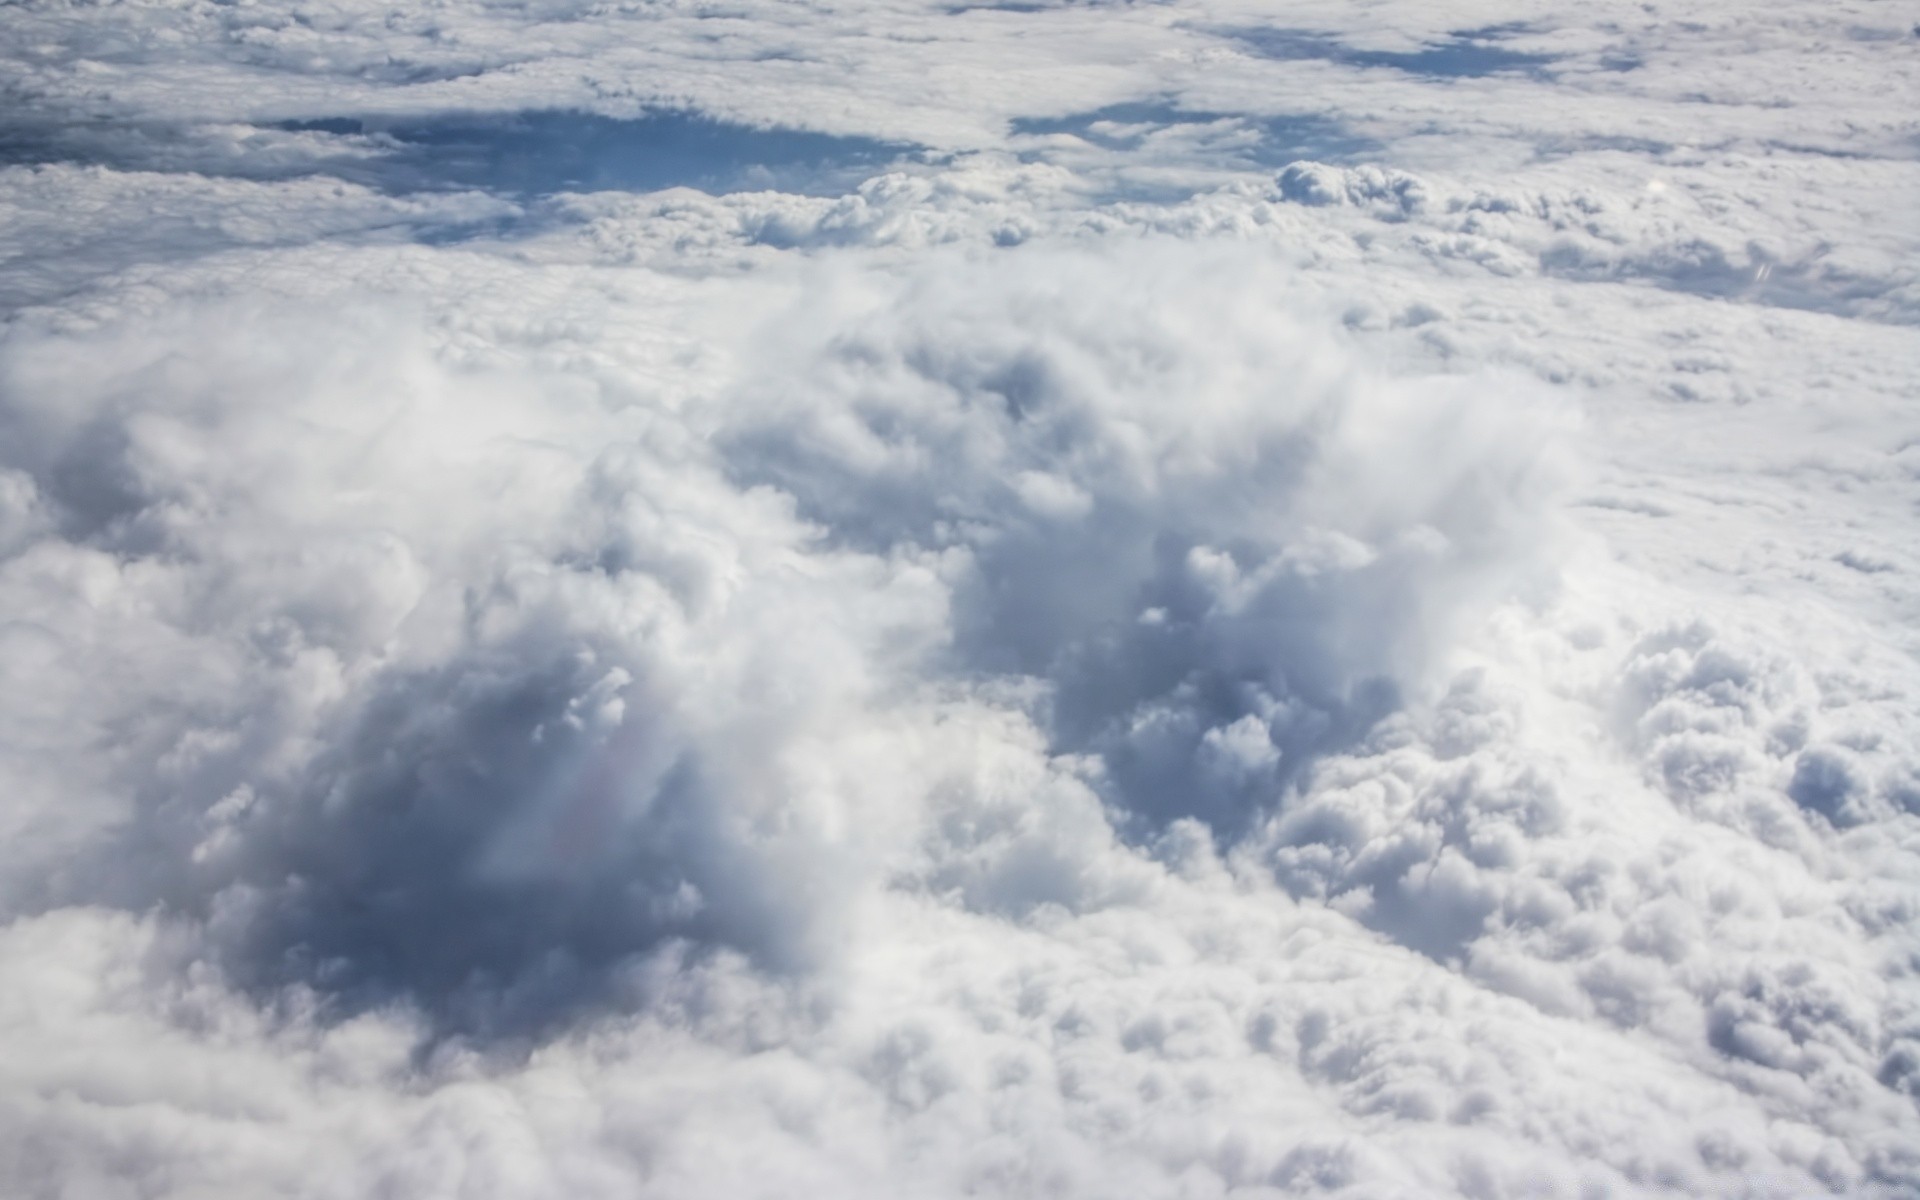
(1078, 599)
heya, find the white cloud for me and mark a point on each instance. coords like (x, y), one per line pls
(1278, 611)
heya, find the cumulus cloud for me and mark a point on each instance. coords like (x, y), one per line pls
(382, 742)
(1303, 610)
(386, 740)
(1197, 522)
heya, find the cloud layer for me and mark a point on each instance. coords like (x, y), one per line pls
(1309, 610)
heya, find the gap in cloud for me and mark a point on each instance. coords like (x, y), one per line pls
(542, 153)
(519, 154)
(223, 151)
(1148, 137)
(1700, 267)
(1466, 54)
(1591, 143)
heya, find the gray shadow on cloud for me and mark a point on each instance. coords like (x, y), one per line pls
(1826, 781)
(474, 850)
(473, 844)
(1191, 713)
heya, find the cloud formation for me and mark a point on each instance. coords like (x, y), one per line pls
(1280, 612)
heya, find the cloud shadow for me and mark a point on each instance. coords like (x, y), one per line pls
(520, 155)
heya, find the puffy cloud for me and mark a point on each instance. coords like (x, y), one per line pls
(389, 742)
(1176, 506)
(363, 726)
(1281, 611)
(503, 699)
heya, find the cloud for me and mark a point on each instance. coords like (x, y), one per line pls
(930, 628)
(1258, 612)
(380, 740)
(486, 762)
(1177, 506)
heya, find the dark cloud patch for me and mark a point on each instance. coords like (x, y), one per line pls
(1828, 782)
(471, 849)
